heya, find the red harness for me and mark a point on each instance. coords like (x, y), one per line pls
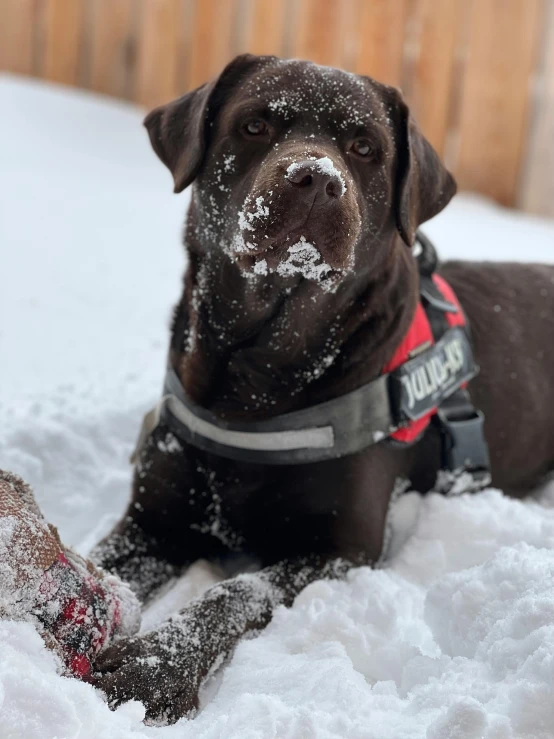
(418, 337)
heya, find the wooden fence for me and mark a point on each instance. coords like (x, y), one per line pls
(479, 74)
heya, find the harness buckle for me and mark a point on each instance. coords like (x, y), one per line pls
(464, 448)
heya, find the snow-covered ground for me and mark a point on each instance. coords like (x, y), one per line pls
(452, 639)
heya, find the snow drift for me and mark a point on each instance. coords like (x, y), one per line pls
(453, 638)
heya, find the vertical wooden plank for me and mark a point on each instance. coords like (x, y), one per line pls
(502, 55)
(62, 40)
(112, 46)
(201, 48)
(350, 37)
(319, 29)
(537, 185)
(429, 86)
(212, 44)
(223, 47)
(16, 35)
(157, 52)
(265, 27)
(381, 31)
(452, 135)
(185, 35)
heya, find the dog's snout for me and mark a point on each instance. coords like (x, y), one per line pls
(320, 178)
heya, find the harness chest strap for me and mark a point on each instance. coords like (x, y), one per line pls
(399, 405)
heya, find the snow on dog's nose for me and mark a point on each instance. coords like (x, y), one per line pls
(317, 177)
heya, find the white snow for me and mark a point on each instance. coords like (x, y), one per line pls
(324, 165)
(260, 268)
(246, 218)
(170, 445)
(304, 259)
(453, 638)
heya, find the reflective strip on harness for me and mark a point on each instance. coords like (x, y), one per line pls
(307, 438)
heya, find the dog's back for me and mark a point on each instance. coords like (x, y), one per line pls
(510, 307)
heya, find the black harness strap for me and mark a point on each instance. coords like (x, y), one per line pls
(338, 427)
(464, 448)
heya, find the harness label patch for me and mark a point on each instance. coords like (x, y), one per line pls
(424, 381)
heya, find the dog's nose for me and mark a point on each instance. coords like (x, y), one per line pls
(319, 177)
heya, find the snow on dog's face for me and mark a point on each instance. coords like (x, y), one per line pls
(299, 169)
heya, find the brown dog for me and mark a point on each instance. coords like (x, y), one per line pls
(285, 155)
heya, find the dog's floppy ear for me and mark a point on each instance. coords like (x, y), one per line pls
(179, 130)
(177, 134)
(423, 184)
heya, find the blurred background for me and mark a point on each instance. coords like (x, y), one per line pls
(479, 74)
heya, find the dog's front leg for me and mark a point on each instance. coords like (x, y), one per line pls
(165, 668)
(158, 536)
(136, 557)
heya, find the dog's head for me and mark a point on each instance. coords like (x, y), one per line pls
(300, 169)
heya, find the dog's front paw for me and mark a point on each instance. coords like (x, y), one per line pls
(150, 670)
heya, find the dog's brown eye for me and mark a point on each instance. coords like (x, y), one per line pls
(255, 127)
(362, 147)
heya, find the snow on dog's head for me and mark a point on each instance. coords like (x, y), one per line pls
(287, 153)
